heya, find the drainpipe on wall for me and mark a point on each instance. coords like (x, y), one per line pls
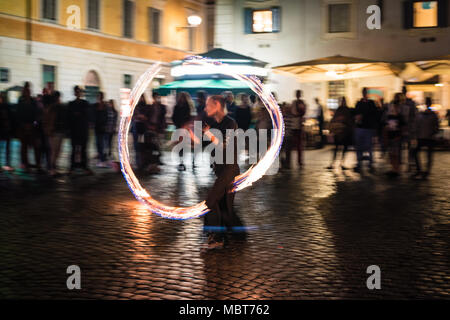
(28, 27)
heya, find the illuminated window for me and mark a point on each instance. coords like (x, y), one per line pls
(425, 14)
(262, 21)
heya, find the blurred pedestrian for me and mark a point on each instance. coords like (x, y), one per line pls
(366, 125)
(111, 126)
(341, 127)
(45, 105)
(243, 113)
(394, 125)
(181, 118)
(200, 107)
(78, 123)
(157, 127)
(289, 141)
(409, 113)
(101, 121)
(220, 199)
(139, 127)
(27, 116)
(6, 130)
(427, 127)
(263, 126)
(55, 128)
(230, 104)
(320, 121)
(382, 113)
(298, 111)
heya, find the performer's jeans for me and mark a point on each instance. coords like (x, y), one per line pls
(220, 202)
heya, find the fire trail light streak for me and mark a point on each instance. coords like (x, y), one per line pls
(128, 103)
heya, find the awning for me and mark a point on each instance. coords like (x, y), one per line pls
(211, 86)
(335, 68)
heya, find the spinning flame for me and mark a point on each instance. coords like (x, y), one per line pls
(254, 173)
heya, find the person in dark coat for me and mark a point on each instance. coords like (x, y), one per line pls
(140, 127)
(230, 104)
(6, 129)
(101, 121)
(111, 126)
(394, 124)
(28, 116)
(366, 122)
(427, 124)
(181, 118)
(78, 123)
(55, 128)
(320, 120)
(341, 127)
(243, 113)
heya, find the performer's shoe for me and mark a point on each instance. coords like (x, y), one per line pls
(213, 243)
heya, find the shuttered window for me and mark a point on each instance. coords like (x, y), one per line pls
(154, 22)
(49, 10)
(128, 18)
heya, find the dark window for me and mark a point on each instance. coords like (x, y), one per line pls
(128, 16)
(49, 10)
(154, 22)
(94, 14)
(127, 79)
(339, 17)
(262, 20)
(4, 75)
(48, 74)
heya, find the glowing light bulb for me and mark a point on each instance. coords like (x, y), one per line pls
(194, 20)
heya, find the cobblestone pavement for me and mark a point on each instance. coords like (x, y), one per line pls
(312, 234)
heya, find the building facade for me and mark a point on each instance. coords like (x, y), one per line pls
(288, 31)
(97, 44)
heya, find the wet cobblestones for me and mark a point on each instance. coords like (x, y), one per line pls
(312, 234)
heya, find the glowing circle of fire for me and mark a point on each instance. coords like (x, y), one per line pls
(129, 100)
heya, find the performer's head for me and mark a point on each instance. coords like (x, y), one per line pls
(215, 105)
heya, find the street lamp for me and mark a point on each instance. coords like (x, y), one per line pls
(193, 22)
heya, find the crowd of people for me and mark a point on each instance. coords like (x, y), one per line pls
(396, 126)
(41, 123)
